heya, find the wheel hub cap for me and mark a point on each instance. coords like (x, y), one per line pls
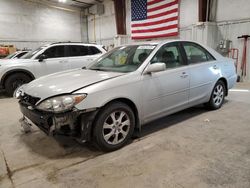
(218, 95)
(116, 127)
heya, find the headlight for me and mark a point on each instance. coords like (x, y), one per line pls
(61, 103)
(18, 92)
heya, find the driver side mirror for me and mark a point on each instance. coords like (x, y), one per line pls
(155, 67)
(42, 57)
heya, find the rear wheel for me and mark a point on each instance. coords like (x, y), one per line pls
(114, 126)
(217, 96)
(14, 81)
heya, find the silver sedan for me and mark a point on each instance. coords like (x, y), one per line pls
(131, 85)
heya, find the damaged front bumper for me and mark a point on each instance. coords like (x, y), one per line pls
(74, 123)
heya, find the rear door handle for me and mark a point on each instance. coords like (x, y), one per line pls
(63, 61)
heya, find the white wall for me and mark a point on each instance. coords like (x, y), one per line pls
(233, 19)
(29, 24)
(102, 29)
(231, 30)
(232, 10)
(188, 13)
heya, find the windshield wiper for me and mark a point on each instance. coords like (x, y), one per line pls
(97, 69)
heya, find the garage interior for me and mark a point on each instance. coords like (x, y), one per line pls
(191, 148)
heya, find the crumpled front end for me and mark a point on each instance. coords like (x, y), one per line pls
(74, 123)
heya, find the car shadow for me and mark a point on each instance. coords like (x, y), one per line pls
(171, 120)
(3, 94)
(65, 147)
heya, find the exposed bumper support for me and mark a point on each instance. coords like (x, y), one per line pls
(75, 123)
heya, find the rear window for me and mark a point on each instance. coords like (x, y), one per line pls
(77, 50)
(196, 53)
(93, 50)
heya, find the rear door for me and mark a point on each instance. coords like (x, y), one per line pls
(203, 71)
(80, 55)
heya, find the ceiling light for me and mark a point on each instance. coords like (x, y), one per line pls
(62, 1)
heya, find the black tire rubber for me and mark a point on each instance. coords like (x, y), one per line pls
(98, 138)
(211, 105)
(11, 83)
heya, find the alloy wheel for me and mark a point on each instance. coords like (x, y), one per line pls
(116, 127)
(218, 95)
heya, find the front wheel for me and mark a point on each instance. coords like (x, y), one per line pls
(114, 126)
(14, 81)
(217, 96)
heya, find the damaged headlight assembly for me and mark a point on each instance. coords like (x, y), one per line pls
(18, 92)
(61, 103)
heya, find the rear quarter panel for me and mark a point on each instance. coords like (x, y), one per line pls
(228, 71)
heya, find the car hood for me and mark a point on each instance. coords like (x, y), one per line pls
(14, 61)
(66, 82)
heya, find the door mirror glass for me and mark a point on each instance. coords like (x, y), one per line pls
(42, 57)
(156, 67)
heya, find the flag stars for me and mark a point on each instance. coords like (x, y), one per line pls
(139, 10)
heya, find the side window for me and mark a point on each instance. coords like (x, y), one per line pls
(77, 50)
(21, 54)
(196, 54)
(93, 50)
(55, 52)
(170, 55)
(141, 55)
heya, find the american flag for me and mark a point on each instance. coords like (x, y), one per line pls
(154, 18)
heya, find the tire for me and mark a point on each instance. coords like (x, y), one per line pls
(119, 121)
(14, 81)
(217, 96)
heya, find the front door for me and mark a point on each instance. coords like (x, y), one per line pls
(166, 91)
(55, 61)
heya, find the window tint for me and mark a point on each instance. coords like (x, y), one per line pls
(196, 54)
(77, 50)
(93, 50)
(21, 54)
(170, 55)
(141, 55)
(55, 52)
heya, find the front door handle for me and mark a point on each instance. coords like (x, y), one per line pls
(215, 67)
(184, 75)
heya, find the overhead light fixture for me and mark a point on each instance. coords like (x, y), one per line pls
(62, 1)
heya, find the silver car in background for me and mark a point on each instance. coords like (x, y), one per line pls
(109, 100)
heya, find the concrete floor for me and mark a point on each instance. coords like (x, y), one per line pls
(193, 148)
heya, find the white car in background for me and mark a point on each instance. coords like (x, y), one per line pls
(109, 100)
(16, 55)
(46, 60)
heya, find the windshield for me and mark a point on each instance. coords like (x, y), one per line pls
(123, 59)
(10, 56)
(32, 53)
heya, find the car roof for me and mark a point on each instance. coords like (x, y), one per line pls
(157, 42)
(74, 43)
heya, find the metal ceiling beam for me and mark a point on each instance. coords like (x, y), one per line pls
(80, 2)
